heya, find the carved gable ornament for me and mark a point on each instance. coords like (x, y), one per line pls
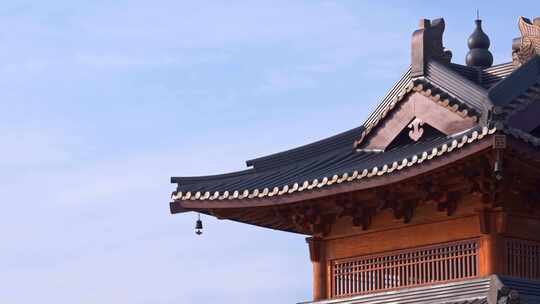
(416, 131)
(413, 117)
(528, 45)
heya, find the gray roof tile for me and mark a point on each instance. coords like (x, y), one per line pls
(516, 83)
(474, 291)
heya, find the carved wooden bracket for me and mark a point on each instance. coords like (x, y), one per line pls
(404, 210)
(360, 214)
(312, 221)
(448, 203)
(363, 218)
(325, 225)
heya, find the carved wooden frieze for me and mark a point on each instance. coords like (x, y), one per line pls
(528, 45)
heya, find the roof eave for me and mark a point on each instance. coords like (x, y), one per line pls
(378, 181)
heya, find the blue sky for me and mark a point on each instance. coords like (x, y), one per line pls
(102, 101)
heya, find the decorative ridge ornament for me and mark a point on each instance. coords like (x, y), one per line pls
(416, 131)
(528, 45)
(478, 43)
(427, 44)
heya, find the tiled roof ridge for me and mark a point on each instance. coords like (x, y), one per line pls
(499, 66)
(472, 73)
(356, 175)
(492, 75)
(485, 77)
(462, 88)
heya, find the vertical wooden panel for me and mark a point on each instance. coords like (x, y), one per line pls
(522, 258)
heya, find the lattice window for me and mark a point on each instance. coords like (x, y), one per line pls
(405, 268)
(523, 258)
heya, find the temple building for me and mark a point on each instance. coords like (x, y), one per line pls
(435, 198)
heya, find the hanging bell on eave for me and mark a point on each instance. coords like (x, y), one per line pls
(198, 225)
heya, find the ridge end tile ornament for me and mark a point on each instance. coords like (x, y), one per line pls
(427, 44)
(527, 46)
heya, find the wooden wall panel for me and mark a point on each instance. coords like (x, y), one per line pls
(522, 227)
(456, 228)
(424, 213)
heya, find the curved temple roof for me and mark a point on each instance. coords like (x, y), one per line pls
(334, 160)
(336, 167)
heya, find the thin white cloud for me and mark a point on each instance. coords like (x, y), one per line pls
(31, 147)
(102, 102)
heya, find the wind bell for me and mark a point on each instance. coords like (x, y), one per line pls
(198, 225)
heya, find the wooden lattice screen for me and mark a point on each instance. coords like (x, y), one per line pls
(405, 268)
(523, 259)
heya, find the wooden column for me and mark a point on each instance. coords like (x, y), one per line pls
(491, 245)
(316, 254)
(490, 255)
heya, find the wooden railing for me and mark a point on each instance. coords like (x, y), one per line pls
(522, 258)
(405, 268)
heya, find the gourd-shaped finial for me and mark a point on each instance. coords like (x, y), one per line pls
(478, 42)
